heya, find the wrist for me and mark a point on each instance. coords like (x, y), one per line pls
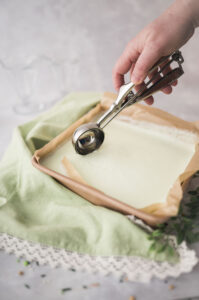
(190, 8)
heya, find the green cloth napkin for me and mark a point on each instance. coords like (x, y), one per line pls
(35, 207)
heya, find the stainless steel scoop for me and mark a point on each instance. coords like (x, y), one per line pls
(89, 137)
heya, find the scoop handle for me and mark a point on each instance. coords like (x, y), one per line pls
(162, 82)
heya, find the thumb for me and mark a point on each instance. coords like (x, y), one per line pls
(146, 60)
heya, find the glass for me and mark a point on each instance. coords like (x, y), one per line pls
(38, 85)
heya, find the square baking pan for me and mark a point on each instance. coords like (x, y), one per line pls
(153, 214)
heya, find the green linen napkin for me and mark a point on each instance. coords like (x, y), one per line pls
(35, 207)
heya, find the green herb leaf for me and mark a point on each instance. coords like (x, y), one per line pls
(27, 286)
(26, 263)
(180, 237)
(85, 287)
(66, 290)
(183, 226)
(192, 192)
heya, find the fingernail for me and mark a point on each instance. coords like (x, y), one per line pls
(136, 80)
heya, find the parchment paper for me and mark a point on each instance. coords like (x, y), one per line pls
(153, 214)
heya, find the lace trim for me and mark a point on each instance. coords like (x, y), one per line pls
(132, 267)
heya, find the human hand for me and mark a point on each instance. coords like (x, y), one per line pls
(163, 36)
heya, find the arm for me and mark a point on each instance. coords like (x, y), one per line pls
(169, 32)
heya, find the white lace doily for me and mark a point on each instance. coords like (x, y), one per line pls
(132, 267)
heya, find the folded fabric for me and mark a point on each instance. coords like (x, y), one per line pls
(35, 207)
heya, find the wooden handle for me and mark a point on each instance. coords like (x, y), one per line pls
(162, 82)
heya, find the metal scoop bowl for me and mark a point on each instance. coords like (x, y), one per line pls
(87, 138)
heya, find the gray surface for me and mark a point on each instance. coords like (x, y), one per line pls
(82, 40)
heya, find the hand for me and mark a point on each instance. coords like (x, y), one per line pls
(163, 36)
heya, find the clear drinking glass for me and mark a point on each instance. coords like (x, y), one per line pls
(38, 85)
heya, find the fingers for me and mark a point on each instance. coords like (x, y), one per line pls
(148, 100)
(139, 66)
(166, 71)
(124, 64)
(146, 60)
(174, 83)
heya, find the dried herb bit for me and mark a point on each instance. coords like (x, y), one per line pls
(21, 273)
(95, 284)
(122, 278)
(165, 281)
(66, 290)
(27, 286)
(18, 260)
(84, 286)
(171, 287)
(26, 263)
(37, 263)
(72, 269)
(43, 275)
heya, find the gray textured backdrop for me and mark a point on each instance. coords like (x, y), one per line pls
(80, 40)
(84, 38)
